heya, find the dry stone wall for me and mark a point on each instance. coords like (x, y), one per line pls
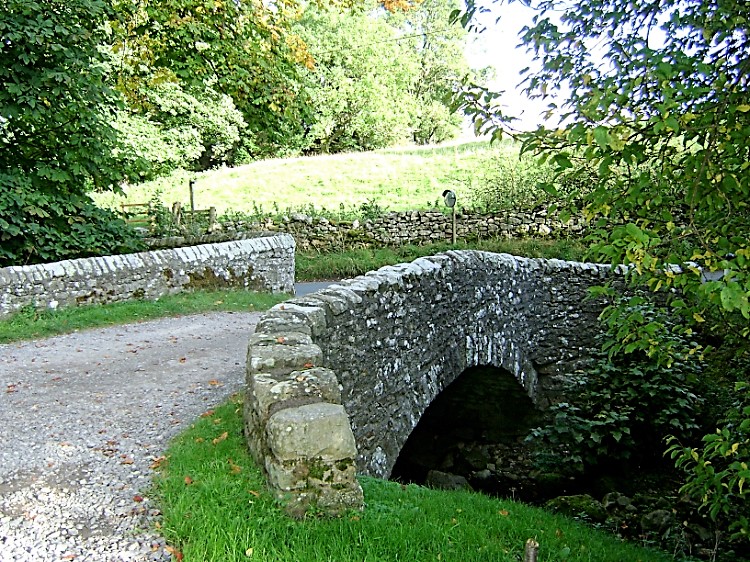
(264, 263)
(413, 227)
(382, 346)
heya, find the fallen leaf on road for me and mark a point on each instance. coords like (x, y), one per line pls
(158, 462)
(183, 359)
(214, 382)
(137, 499)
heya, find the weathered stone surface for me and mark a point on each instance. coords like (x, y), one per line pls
(257, 263)
(410, 227)
(446, 481)
(309, 386)
(419, 325)
(312, 431)
(310, 459)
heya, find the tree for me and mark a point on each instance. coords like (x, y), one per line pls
(56, 140)
(442, 67)
(657, 114)
(242, 49)
(380, 77)
(359, 84)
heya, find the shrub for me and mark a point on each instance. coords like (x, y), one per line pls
(717, 473)
(625, 404)
(37, 227)
(509, 181)
(195, 130)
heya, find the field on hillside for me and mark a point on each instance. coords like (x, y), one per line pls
(394, 179)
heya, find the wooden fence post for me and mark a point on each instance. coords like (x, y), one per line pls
(531, 551)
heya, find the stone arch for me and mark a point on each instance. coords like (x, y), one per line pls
(483, 406)
(393, 339)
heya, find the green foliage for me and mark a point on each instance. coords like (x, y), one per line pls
(382, 77)
(56, 137)
(179, 129)
(439, 46)
(509, 181)
(243, 49)
(40, 227)
(152, 149)
(657, 104)
(358, 89)
(631, 397)
(208, 115)
(719, 471)
(434, 122)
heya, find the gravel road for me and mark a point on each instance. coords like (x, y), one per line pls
(82, 417)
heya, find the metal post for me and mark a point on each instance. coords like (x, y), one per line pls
(454, 225)
(191, 183)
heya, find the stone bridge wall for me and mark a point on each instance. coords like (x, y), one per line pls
(385, 344)
(265, 263)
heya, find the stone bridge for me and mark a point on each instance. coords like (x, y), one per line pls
(337, 380)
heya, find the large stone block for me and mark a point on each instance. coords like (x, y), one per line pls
(282, 358)
(270, 394)
(312, 431)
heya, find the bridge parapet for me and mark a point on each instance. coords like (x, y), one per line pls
(379, 348)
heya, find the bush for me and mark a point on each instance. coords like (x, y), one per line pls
(434, 123)
(509, 181)
(152, 150)
(195, 130)
(38, 227)
(628, 401)
(209, 114)
(717, 473)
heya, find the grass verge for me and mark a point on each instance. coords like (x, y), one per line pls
(215, 508)
(31, 323)
(314, 266)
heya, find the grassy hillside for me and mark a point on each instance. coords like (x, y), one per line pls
(396, 179)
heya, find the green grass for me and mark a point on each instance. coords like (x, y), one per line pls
(31, 324)
(396, 179)
(317, 266)
(215, 508)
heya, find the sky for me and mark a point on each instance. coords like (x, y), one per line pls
(498, 47)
